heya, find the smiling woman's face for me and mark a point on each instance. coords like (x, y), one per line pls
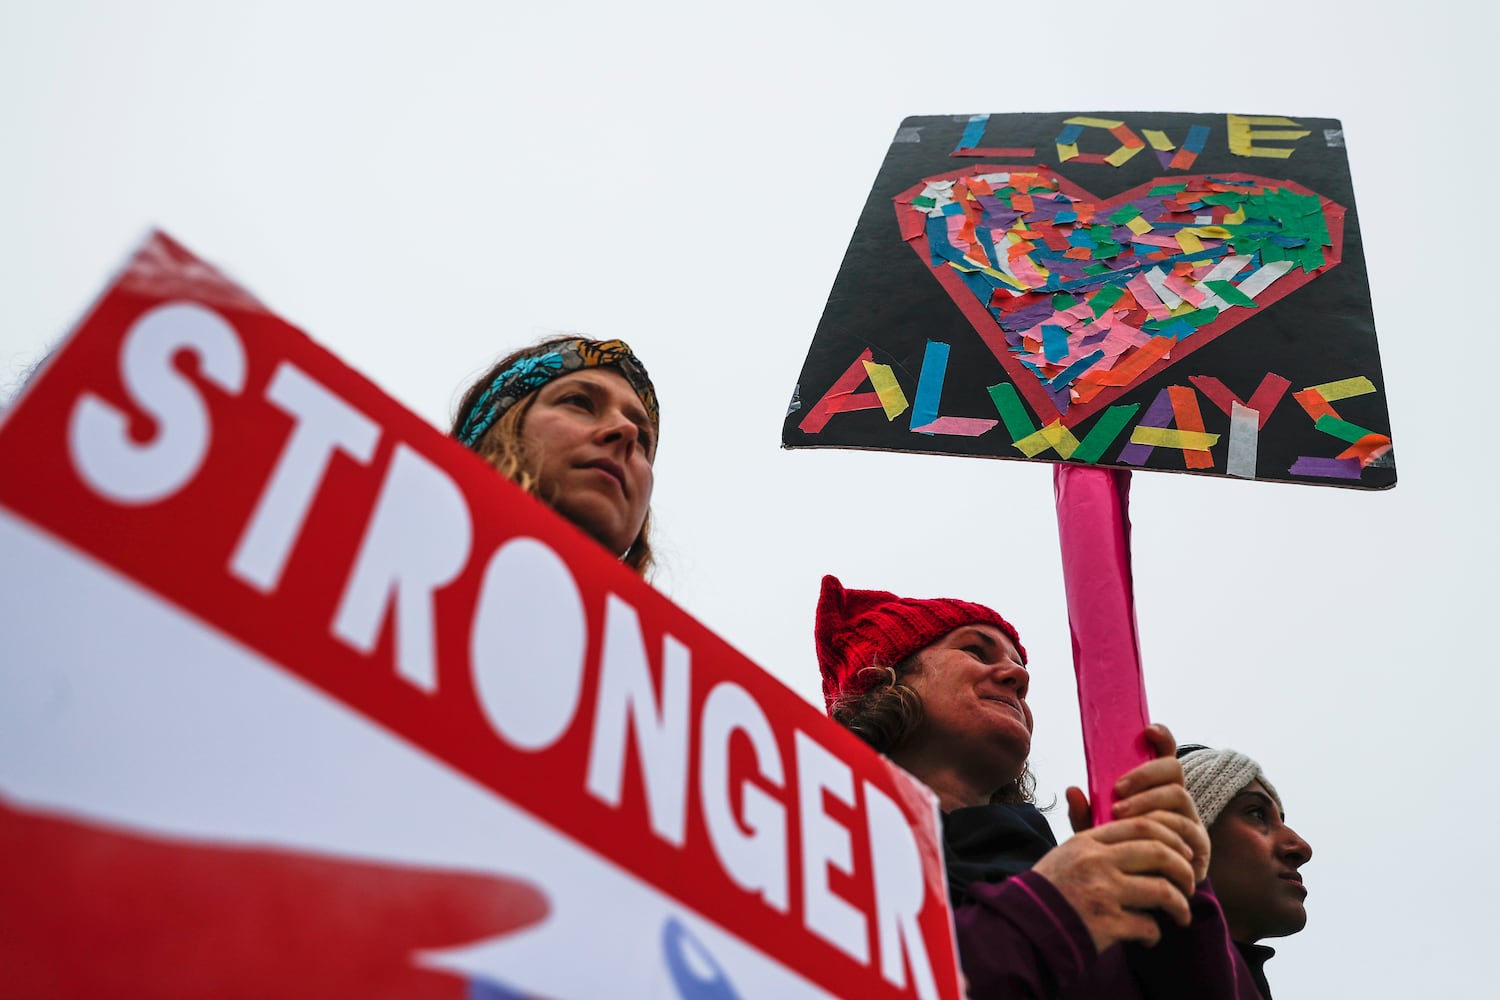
(593, 445)
(973, 688)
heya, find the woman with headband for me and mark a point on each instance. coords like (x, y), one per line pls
(573, 421)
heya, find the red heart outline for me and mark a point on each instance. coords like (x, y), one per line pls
(913, 227)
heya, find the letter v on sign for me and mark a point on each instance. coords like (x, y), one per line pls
(1031, 441)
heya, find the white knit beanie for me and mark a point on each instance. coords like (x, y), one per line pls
(1213, 777)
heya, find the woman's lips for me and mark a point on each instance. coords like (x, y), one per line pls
(1010, 702)
(611, 469)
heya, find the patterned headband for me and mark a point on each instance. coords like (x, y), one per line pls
(536, 370)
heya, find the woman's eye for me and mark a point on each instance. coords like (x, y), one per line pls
(579, 399)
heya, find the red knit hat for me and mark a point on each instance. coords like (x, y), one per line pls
(857, 629)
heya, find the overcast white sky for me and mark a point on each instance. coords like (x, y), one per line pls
(422, 188)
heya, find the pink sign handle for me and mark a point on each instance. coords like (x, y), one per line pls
(1093, 527)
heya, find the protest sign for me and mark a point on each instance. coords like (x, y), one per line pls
(1177, 292)
(1107, 291)
(303, 698)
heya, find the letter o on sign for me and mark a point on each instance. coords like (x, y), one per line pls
(527, 645)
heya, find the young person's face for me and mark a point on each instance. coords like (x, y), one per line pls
(973, 688)
(594, 446)
(1254, 867)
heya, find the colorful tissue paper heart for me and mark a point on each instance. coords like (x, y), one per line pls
(1083, 299)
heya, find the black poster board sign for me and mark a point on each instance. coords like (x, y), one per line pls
(1137, 290)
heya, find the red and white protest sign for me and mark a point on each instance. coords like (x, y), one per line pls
(301, 698)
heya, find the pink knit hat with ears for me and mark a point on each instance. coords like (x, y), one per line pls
(859, 629)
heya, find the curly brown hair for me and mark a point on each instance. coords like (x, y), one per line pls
(504, 446)
(887, 714)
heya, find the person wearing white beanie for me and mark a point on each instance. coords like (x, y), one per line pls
(1256, 859)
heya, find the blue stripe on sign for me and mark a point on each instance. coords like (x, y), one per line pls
(924, 409)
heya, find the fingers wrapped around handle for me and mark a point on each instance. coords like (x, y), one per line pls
(1116, 876)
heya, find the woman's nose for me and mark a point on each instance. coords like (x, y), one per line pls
(1013, 674)
(1296, 847)
(617, 427)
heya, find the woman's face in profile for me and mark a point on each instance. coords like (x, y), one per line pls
(594, 446)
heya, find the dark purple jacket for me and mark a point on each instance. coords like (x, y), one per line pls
(1019, 938)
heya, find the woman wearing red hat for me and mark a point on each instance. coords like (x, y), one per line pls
(1121, 910)
(575, 422)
